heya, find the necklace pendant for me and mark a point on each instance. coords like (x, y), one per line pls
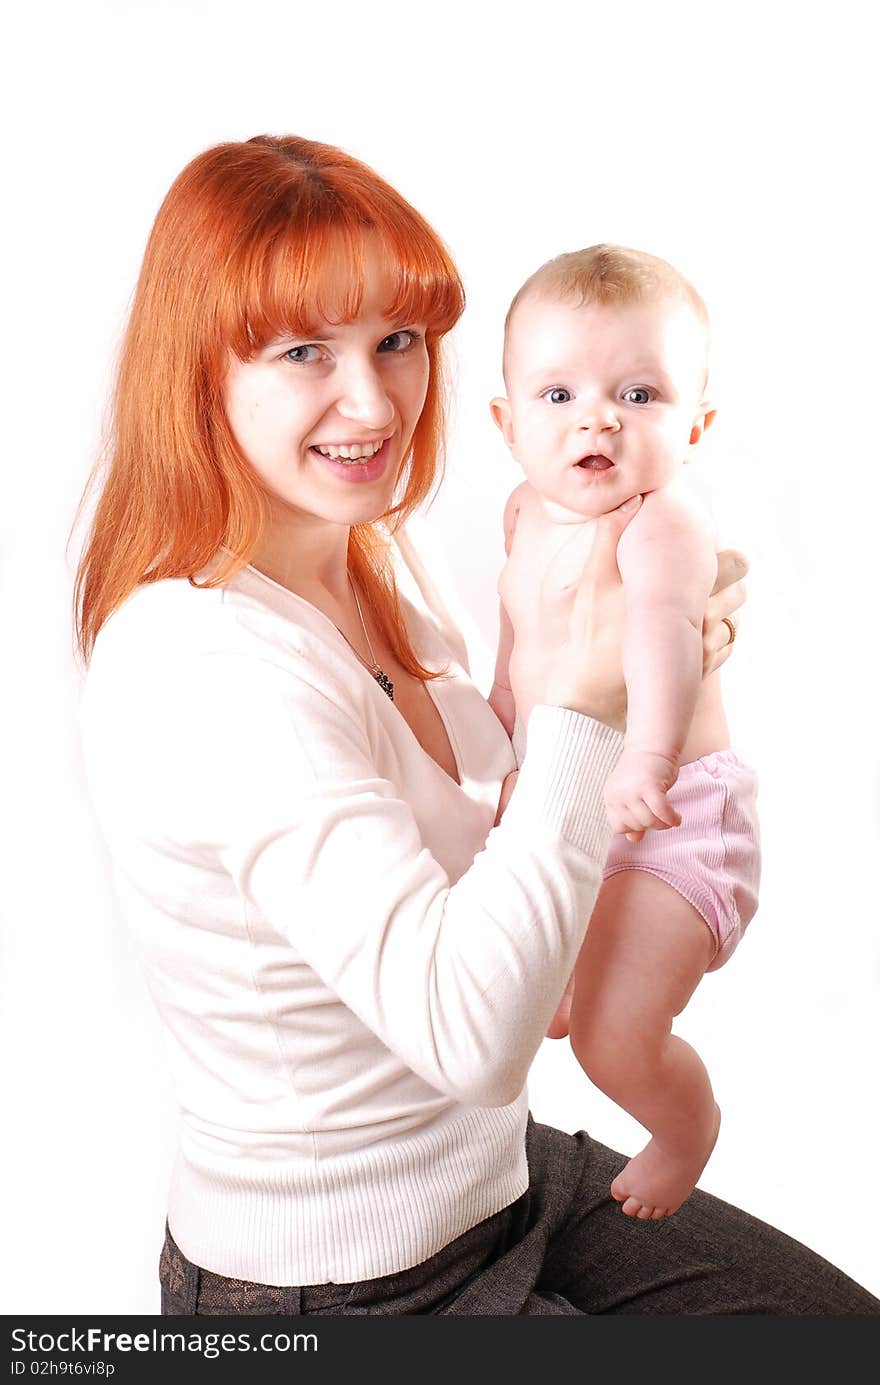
(383, 680)
(378, 673)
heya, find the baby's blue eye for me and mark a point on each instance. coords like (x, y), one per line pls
(558, 395)
(638, 395)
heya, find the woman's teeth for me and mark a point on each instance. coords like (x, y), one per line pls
(351, 452)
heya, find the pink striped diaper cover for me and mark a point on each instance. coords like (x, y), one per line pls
(713, 858)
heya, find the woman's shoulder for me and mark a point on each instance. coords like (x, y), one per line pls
(178, 633)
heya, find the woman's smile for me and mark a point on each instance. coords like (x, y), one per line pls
(369, 463)
(350, 451)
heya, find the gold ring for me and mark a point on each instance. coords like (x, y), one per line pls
(725, 620)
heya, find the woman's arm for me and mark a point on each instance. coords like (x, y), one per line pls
(270, 775)
(265, 770)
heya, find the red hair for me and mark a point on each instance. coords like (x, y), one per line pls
(245, 248)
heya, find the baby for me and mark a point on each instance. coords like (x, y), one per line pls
(605, 366)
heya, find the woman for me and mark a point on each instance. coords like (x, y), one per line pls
(298, 783)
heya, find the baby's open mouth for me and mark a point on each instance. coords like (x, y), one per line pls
(595, 463)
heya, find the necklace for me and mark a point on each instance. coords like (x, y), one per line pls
(377, 671)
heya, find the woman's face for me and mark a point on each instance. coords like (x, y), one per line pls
(327, 420)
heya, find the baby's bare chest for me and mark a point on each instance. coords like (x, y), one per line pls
(542, 573)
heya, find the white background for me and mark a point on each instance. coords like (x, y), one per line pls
(738, 141)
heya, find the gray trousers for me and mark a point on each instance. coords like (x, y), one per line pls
(564, 1247)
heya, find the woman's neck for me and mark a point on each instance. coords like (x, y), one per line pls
(308, 556)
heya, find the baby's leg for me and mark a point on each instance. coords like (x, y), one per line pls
(645, 951)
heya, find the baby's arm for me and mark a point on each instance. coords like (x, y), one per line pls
(667, 563)
(501, 698)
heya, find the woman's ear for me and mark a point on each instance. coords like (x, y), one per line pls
(500, 410)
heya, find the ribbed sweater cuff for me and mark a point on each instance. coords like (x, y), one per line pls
(568, 759)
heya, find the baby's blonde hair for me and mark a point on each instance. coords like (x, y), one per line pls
(609, 275)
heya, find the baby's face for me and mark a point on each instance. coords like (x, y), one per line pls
(603, 402)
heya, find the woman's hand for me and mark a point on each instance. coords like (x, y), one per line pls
(586, 672)
(727, 596)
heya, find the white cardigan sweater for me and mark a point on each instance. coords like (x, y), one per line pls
(353, 968)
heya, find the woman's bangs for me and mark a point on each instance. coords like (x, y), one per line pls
(302, 281)
(424, 284)
(295, 285)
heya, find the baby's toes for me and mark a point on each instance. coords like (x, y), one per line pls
(632, 1207)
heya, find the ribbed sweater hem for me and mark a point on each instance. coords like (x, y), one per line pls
(348, 1218)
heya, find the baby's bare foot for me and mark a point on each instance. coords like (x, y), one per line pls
(657, 1181)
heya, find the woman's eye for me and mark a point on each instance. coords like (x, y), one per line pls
(398, 341)
(298, 355)
(557, 395)
(638, 395)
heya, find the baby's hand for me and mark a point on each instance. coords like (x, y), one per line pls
(506, 791)
(635, 795)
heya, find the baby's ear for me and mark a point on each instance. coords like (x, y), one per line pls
(500, 410)
(705, 417)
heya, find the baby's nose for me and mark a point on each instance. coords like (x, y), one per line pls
(599, 416)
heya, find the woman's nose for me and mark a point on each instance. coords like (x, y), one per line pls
(363, 398)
